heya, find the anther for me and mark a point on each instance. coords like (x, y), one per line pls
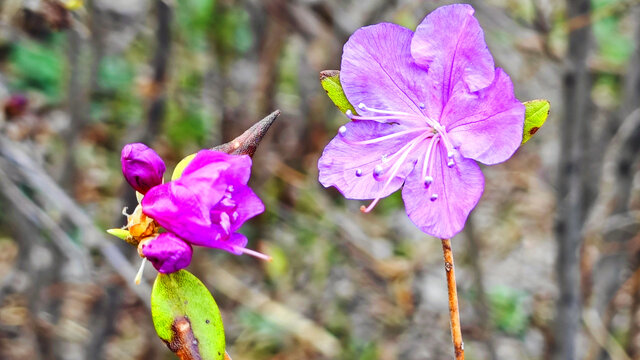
(362, 106)
(450, 163)
(377, 171)
(428, 180)
(358, 172)
(450, 154)
(349, 114)
(422, 105)
(342, 130)
(434, 197)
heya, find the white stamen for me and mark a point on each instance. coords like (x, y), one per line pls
(434, 197)
(390, 136)
(422, 105)
(450, 163)
(428, 180)
(362, 106)
(256, 254)
(450, 154)
(139, 274)
(349, 114)
(342, 130)
(358, 172)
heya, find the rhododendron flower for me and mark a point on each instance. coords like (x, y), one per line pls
(141, 166)
(205, 206)
(208, 203)
(430, 104)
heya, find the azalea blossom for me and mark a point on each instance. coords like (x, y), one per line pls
(205, 206)
(430, 104)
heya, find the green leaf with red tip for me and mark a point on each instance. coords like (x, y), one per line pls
(330, 81)
(536, 113)
(186, 317)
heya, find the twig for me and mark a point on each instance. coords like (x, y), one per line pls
(454, 313)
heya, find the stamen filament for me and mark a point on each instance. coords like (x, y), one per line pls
(256, 254)
(387, 137)
(382, 119)
(394, 170)
(426, 166)
(140, 271)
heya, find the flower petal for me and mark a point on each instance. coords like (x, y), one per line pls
(168, 253)
(236, 167)
(450, 44)
(249, 205)
(181, 209)
(458, 190)
(377, 70)
(486, 125)
(350, 166)
(141, 166)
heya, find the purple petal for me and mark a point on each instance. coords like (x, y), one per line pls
(350, 167)
(168, 253)
(377, 70)
(458, 190)
(236, 167)
(177, 207)
(248, 206)
(141, 167)
(450, 44)
(486, 125)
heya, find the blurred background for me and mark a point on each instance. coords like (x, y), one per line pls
(548, 264)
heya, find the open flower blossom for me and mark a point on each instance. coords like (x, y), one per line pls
(205, 206)
(430, 104)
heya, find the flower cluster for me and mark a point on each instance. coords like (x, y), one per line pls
(430, 104)
(204, 206)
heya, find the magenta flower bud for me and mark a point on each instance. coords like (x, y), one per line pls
(142, 167)
(168, 253)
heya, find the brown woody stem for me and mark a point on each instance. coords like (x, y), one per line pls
(454, 313)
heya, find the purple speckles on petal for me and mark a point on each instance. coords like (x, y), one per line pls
(430, 104)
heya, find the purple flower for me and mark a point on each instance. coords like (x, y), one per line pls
(168, 253)
(208, 203)
(430, 104)
(141, 166)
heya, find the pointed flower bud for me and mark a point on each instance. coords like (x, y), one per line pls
(142, 167)
(167, 252)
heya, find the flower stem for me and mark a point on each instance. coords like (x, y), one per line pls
(454, 313)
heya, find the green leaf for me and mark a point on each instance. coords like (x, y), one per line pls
(186, 317)
(177, 172)
(536, 113)
(121, 233)
(330, 81)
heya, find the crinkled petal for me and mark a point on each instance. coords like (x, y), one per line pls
(248, 206)
(458, 190)
(179, 208)
(343, 157)
(486, 125)
(450, 44)
(233, 244)
(377, 70)
(236, 168)
(168, 253)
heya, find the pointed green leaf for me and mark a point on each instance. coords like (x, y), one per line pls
(121, 233)
(330, 81)
(536, 113)
(186, 317)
